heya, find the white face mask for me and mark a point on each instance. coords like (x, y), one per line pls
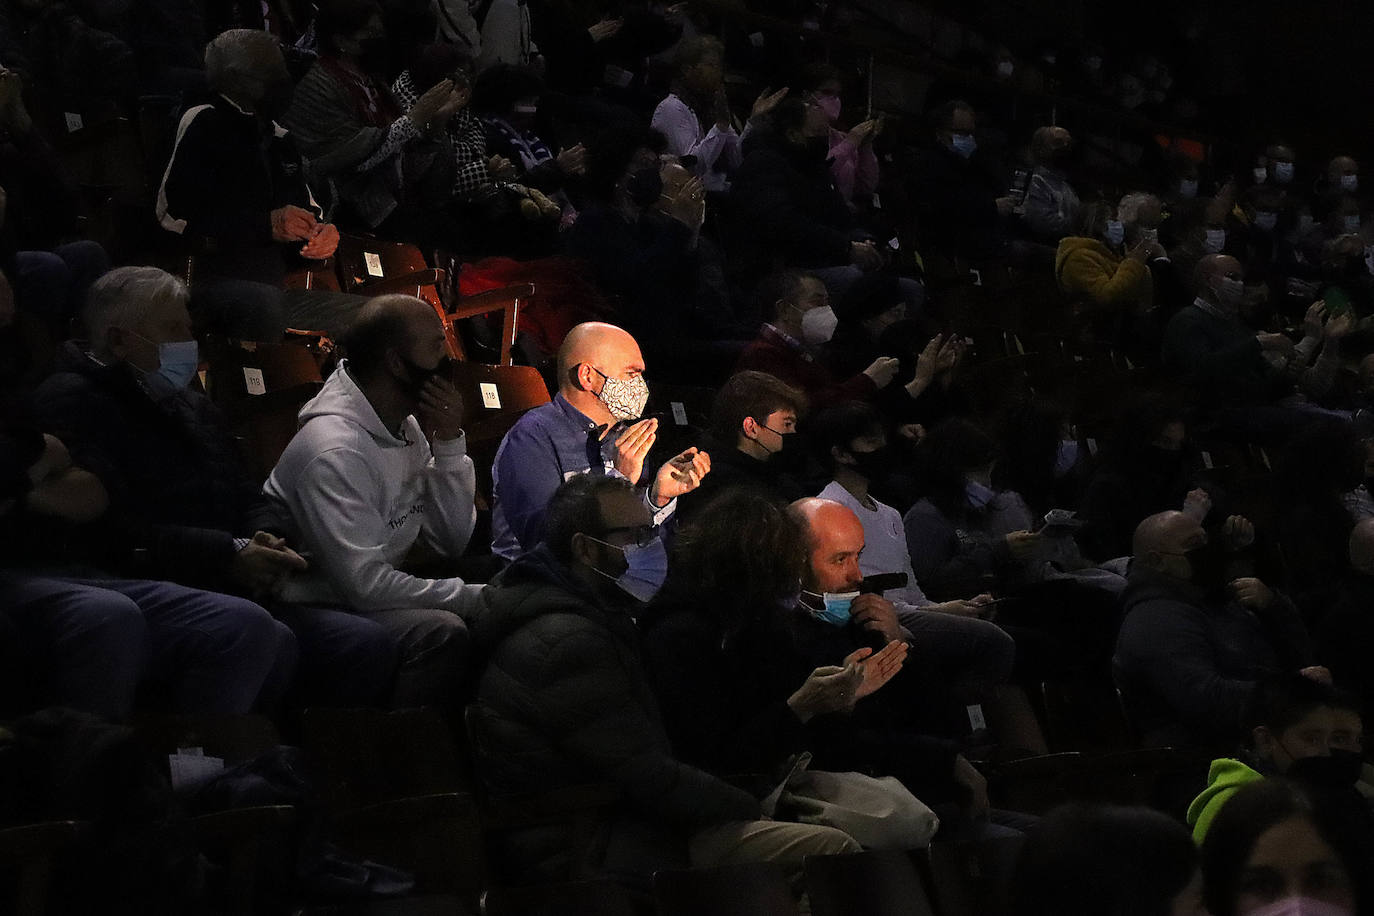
(1115, 233)
(1261, 174)
(1350, 183)
(1229, 291)
(818, 325)
(1149, 235)
(1215, 241)
(1005, 68)
(1266, 220)
(1352, 222)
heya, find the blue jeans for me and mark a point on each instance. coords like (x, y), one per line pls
(100, 637)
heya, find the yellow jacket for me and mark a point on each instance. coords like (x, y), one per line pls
(1095, 277)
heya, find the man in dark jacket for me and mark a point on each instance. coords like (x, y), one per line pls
(788, 211)
(181, 506)
(564, 700)
(958, 200)
(753, 441)
(235, 189)
(1195, 640)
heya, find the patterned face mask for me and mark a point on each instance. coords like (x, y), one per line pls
(623, 397)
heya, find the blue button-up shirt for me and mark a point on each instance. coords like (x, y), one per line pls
(545, 447)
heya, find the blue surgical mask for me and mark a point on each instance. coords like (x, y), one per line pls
(178, 361)
(1352, 222)
(1214, 241)
(1116, 232)
(1266, 220)
(1283, 172)
(977, 494)
(1066, 457)
(963, 144)
(1350, 183)
(836, 609)
(1187, 188)
(646, 569)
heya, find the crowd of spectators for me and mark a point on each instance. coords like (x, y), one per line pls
(991, 402)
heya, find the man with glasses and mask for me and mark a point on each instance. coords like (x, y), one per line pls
(564, 702)
(1197, 635)
(378, 469)
(592, 426)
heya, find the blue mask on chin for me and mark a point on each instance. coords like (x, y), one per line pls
(836, 607)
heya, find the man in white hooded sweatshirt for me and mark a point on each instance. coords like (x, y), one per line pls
(379, 464)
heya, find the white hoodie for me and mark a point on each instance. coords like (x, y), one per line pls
(360, 497)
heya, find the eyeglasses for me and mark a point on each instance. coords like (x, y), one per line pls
(642, 535)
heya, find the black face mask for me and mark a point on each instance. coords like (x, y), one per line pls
(1209, 565)
(276, 99)
(644, 186)
(420, 376)
(876, 464)
(1339, 771)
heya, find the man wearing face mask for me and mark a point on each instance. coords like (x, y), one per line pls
(183, 509)
(1196, 637)
(753, 441)
(235, 191)
(565, 700)
(1208, 347)
(960, 204)
(592, 426)
(789, 345)
(832, 619)
(1289, 724)
(973, 653)
(380, 467)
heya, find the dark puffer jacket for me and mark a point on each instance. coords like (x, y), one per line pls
(564, 701)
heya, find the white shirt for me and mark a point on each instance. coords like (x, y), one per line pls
(675, 119)
(884, 544)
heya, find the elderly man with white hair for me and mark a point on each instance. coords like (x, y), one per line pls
(183, 507)
(175, 565)
(235, 190)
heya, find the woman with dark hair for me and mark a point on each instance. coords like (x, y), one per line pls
(391, 164)
(1108, 861)
(1270, 851)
